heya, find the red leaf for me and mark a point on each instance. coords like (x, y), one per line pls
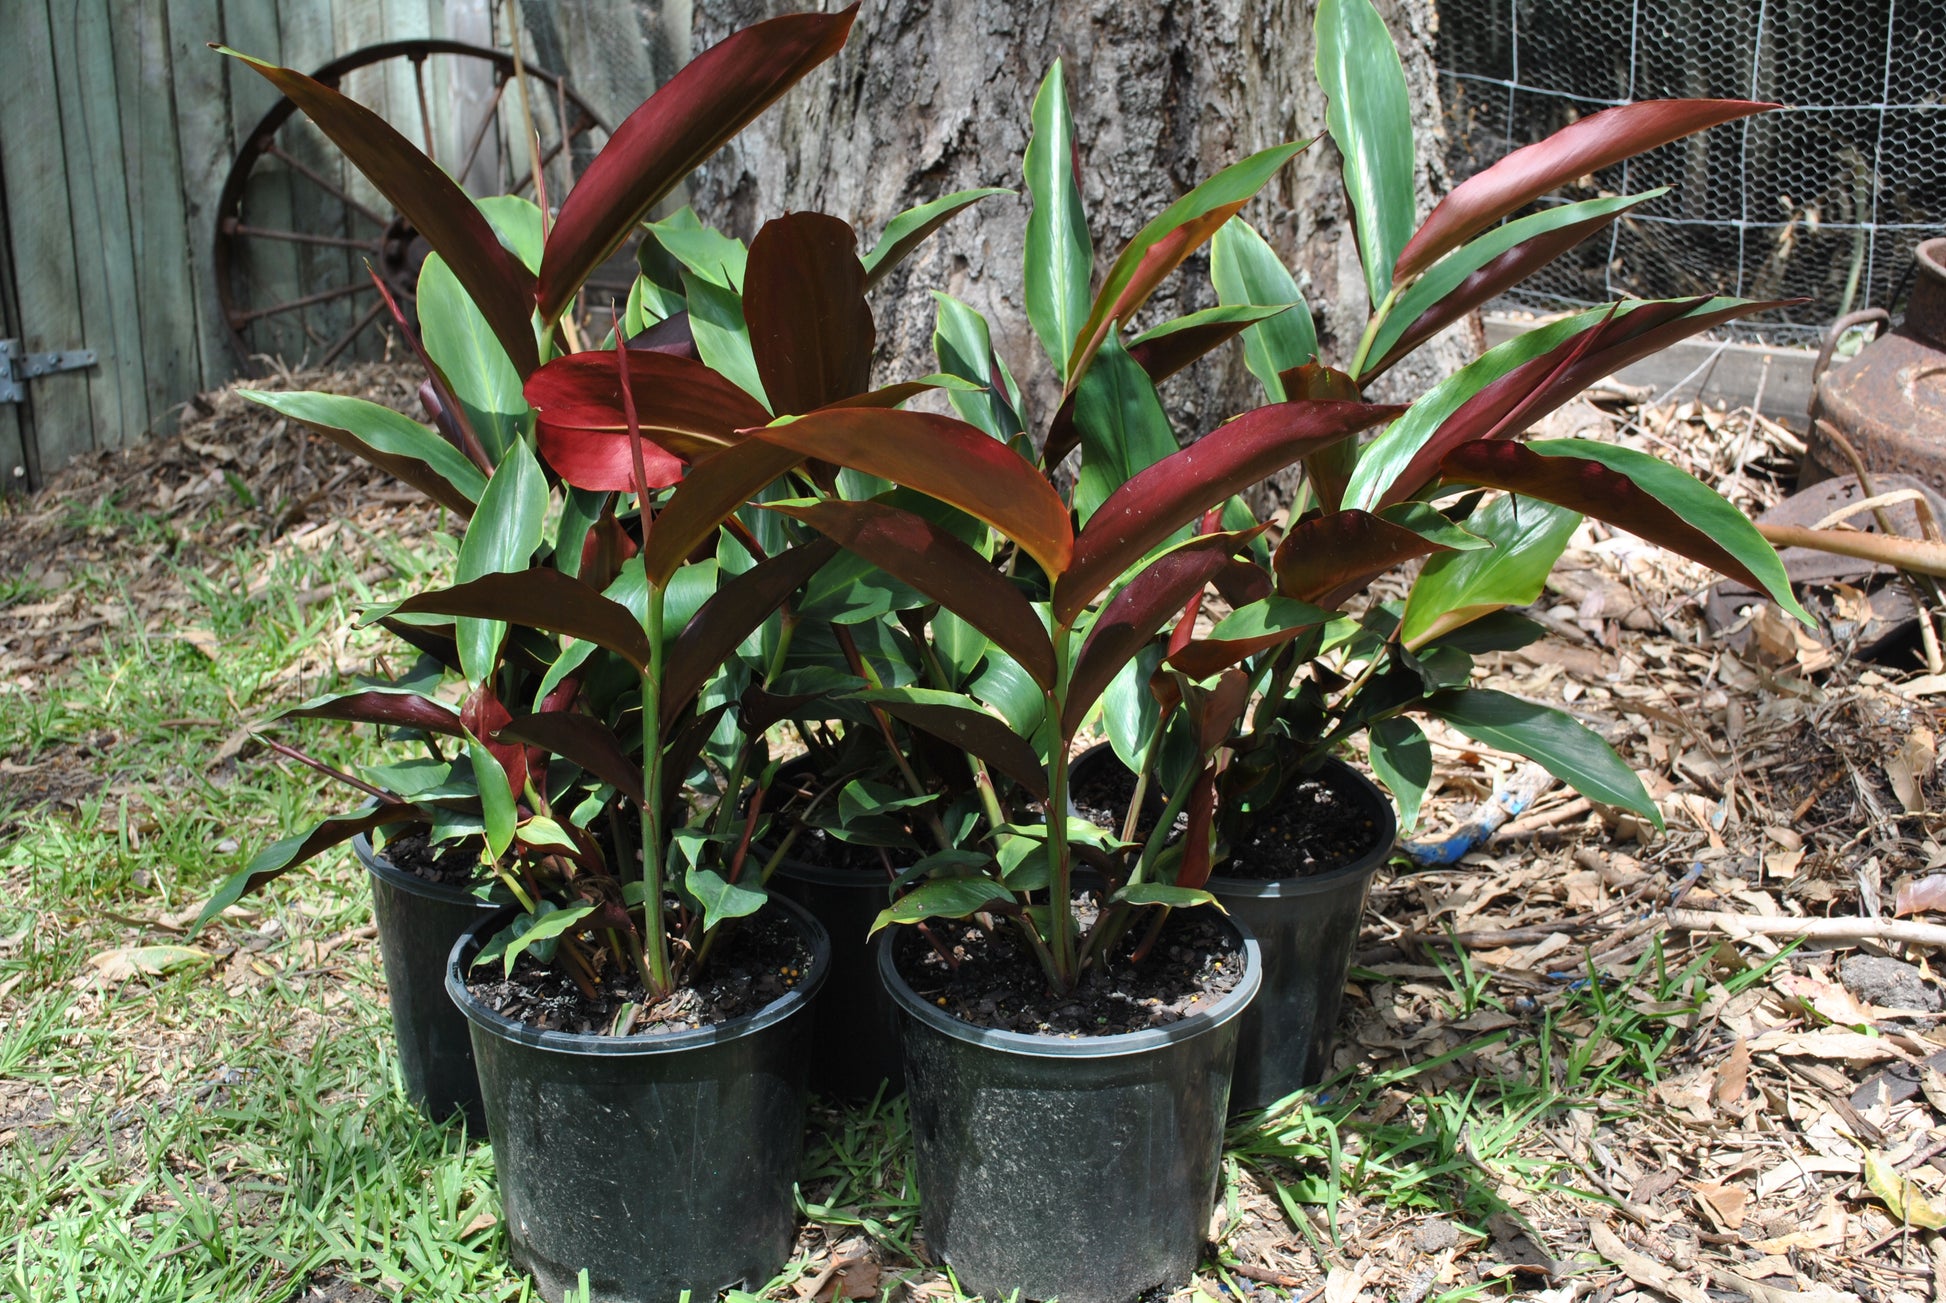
(484, 716)
(1166, 496)
(946, 459)
(714, 488)
(686, 411)
(1489, 282)
(1581, 148)
(811, 330)
(584, 740)
(429, 199)
(1538, 386)
(394, 709)
(1194, 870)
(973, 731)
(1157, 261)
(729, 616)
(603, 551)
(541, 599)
(694, 114)
(1128, 622)
(913, 549)
(1593, 490)
(1329, 469)
(670, 335)
(1328, 558)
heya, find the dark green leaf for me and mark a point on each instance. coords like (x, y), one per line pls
(1369, 112)
(909, 229)
(381, 436)
(1402, 759)
(1246, 270)
(1455, 588)
(1122, 426)
(1059, 255)
(942, 898)
(500, 538)
(461, 343)
(1570, 751)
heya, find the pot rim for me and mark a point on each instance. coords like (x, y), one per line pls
(1122, 1045)
(591, 1045)
(379, 866)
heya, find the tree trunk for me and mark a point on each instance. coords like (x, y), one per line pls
(932, 96)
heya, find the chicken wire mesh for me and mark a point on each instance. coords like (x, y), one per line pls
(1822, 200)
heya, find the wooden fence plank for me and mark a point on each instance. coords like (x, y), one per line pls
(104, 250)
(262, 268)
(163, 292)
(310, 42)
(357, 24)
(202, 80)
(17, 472)
(43, 242)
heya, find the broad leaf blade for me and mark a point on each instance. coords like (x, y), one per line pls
(811, 332)
(1328, 558)
(685, 411)
(722, 623)
(1259, 626)
(442, 213)
(1570, 751)
(1160, 247)
(1402, 759)
(1370, 115)
(1245, 270)
(943, 458)
(910, 228)
(1642, 494)
(461, 343)
(960, 721)
(541, 599)
(582, 739)
(384, 706)
(1122, 426)
(1488, 267)
(688, 119)
(287, 853)
(1168, 495)
(1458, 587)
(1059, 256)
(1137, 612)
(501, 537)
(915, 551)
(1577, 150)
(714, 488)
(942, 898)
(383, 437)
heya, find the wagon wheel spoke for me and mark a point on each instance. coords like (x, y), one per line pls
(425, 114)
(298, 237)
(344, 341)
(241, 319)
(479, 132)
(278, 152)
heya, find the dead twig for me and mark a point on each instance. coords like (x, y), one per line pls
(1899, 931)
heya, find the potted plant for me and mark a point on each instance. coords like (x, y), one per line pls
(1288, 817)
(633, 990)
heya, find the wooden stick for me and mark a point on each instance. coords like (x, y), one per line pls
(1902, 931)
(1900, 553)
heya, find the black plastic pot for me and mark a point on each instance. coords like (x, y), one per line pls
(418, 922)
(656, 1163)
(1307, 928)
(856, 1053)
(1082, 1168)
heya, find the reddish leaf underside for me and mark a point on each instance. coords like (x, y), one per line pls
(1161, 499)
(686, 411)
(714, 488)
(541, 599)
(811, 330)
(1581, 148)
(915, 551)
(484, 716)
(1536, 387)
(392, 709)
(1134, 615)
(693, 115)
(975, 732)
(945, 459)
(436, 207)
(1328, 558)
(1593, 490)
(582, 739)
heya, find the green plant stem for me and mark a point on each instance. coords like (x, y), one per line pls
(1371, 331)
(1060, 908)
(863, 670)
(656, 939)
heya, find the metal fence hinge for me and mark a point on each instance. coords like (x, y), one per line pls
(18, 367)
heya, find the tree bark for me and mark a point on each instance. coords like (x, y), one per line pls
(932, 96)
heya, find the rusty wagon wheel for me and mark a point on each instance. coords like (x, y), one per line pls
(296, 226)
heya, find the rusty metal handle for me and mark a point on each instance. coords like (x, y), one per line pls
(1837, 332)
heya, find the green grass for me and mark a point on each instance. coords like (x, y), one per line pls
(234, 1130)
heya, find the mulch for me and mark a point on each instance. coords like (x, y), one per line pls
(1793, 1142)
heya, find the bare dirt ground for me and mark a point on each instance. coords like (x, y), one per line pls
(1587, 1061)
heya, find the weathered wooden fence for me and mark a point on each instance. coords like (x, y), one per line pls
(118, 129)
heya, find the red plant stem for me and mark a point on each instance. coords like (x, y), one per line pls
(384, 797)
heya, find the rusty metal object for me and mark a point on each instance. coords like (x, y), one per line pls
(1889, 401)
